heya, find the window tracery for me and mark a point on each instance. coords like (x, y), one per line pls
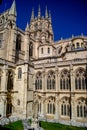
(51, 105)
(51, 80)
(19, 73)
(65, 107)
(80, 79)
(65, 80)
(81, 108)
(38, 81)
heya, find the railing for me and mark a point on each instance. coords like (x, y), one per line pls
(61, 63)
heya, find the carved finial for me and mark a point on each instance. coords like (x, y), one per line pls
(82, 34)
(13, 9)
(46, 13)
(72, 36)
(39, 12)
(32, 15)
(27, 27)
(61, 38)
(49, 16)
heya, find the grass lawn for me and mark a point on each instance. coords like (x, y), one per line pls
(46, 125)
(15, 126)
(57, 126)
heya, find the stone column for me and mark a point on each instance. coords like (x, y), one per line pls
(57, 93)
(43, 79)
(34, 82)
(45, 82)
(72, 78)
(56, 79)
(3, 88)
(56, 108)
(26, 47)
(25, 90)
(43, 106)
(73, 109)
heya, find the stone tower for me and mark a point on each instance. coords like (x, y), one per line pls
(40, 32)
(7, 33)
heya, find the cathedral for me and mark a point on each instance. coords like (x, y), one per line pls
(39, 76)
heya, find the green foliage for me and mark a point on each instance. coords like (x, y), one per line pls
(57, 126)
(15, 125)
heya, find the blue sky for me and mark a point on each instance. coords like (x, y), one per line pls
(68, 16)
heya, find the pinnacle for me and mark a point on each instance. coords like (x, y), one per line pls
(39, 12)
(13, 9)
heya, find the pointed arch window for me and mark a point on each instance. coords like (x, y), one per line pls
(18, 42)
(48, 50)
(80, 79)
(50, 108)
(19, 73)
(10, 80)
(73, 46)
(65, 80)
(78, 45)
(38, 81)
(81, 108)
(41, 50)
(18, 47)
(51, 80)
(31, 49)
(65, 107)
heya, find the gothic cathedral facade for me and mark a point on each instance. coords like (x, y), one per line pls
(39, 76)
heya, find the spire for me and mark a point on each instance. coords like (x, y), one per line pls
(46, 13)
(50, 16)
(39, 12)
(13, 9)
(32, 15)
(27, 27)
